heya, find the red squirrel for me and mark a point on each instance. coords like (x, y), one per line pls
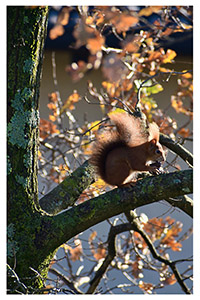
(118, 153)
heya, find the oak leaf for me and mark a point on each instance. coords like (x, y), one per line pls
(146, 287)
(123, 22)
(100, 253)
(184, 132)
(56, 31)
(92, 236)
(47, 128)
(95, 44)
(170, 280)
(147, 11)
(169, 56)
(69, 103)
(63, 17)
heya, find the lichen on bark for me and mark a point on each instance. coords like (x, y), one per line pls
(26, 30)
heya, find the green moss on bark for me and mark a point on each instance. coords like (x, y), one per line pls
(26, 30)
(66, 193)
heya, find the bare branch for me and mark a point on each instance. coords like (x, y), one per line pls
(184, 202)
(153, 77)
(177, 148)
(18, 287)
(65, 280)
(136, 225)
(114, 230)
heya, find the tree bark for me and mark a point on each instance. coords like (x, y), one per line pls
(34, 235)
(77, 219)
(68, 191)
(26, 31)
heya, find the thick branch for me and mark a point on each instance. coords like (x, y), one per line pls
(81, 217)
(177, 148)
(67, 192)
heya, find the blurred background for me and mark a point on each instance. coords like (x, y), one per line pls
(60, 53)
(65, 54)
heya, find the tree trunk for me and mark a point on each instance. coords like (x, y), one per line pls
(26, 31)
(33, 235)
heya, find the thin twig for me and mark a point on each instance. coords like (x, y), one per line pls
(18, 283)
(177, 148)
(154, 76)
(133, 218)
(114, 230)
(65, 280)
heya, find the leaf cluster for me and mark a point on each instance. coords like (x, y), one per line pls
(132, 256)
(135, 73)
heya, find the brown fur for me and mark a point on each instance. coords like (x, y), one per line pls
(128, 148)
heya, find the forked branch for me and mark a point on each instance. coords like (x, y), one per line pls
(136, 225)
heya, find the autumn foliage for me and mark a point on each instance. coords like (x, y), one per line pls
(134, 71)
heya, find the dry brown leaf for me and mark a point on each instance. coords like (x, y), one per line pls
(52, 118)
(95, 44)
(147, 287)
(100, 253)
(92, 236)
(123, 22)
(170, 280)
(63, 17)
(47, 128)
(76, 252)
(147, 11)
(69, 103)
(184, 132)
(169, 56)
(56, 31)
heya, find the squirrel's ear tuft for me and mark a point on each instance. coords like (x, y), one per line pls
(154, 131)
(153, 141)
(152, 144)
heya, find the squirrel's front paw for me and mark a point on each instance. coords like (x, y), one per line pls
(129, 184)
(155, 168)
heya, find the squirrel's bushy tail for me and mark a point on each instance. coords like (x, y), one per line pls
(103, 146)
(129, 132)
(131, 129)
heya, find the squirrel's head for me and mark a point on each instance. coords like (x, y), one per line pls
(155, 151)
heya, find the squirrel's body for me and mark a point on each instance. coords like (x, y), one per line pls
(120, 152)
